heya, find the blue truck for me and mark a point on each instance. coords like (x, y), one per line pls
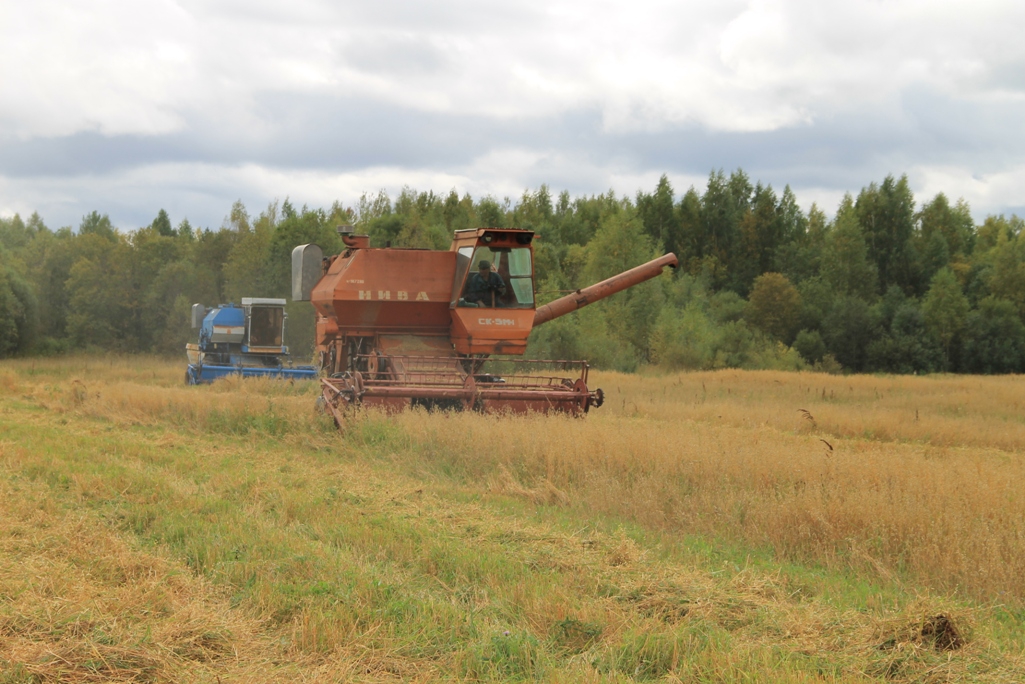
(248, 340)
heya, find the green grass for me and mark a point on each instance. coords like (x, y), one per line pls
(373, 556)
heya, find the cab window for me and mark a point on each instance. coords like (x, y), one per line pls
(514, 267)
(265, 326)
(463, 257)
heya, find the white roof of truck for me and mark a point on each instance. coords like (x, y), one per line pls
(262, 301)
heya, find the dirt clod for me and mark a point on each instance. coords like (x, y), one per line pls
(940, 630)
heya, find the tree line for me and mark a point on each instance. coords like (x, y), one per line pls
(886, 285)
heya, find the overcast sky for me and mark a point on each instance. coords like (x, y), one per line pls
(129, 106)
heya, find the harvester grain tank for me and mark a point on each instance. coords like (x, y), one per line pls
(397, 327)
(246, 341)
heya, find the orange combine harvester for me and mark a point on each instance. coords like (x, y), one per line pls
(402, 327)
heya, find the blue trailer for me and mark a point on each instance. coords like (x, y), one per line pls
(247, 341)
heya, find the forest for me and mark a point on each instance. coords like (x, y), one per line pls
(886, 285)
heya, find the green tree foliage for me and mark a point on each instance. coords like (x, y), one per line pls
(1006, 272)
(620, 244)
(297, 228)
(994, 229)
(906, 345)
(19, 314)
(185, 230)
(880, 287)
(847, 330)
(10, 312)
(14, 234)
(810, 345)
(886, 213)
(945, 308)
(691, 244)
(953, 223)
(237, 219)
(846, 266)
(101, 296)
(721, 212)
(660, 217)
(684, 339)
(800, 255)
(489, 213)
(935, 254)
(458, 212)
(95, 224)
(994, 339)
(816, 301)
(774, 307)
(162, 224)
(761, 233)
(245, 271)
(48, 260)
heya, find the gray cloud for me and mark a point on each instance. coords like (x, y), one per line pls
(321, 100)
(395, 55)
(337, 134)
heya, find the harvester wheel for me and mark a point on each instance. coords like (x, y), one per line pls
(584, 398)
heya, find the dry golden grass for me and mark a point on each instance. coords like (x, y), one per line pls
(904, 477)
(80, 604)
(196, 534)
(941, 410)
(914, 479)
(144, 390)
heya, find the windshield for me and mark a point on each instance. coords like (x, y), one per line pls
(508, 284)
(265, 326)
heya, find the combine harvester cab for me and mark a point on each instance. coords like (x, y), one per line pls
(403, 327)
(246, 341)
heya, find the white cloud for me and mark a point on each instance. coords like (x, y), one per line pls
(206, 70)
(986, 193)
(142, 67)
(111, 67)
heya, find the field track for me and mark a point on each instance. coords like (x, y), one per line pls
(728, 526)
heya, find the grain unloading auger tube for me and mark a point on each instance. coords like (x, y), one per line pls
(403, 327)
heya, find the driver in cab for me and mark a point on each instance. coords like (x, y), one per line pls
(484, 287)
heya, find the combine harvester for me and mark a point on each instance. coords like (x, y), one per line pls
(246, 341)
(402, 327)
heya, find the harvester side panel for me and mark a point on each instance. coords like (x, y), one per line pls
(491, 331)
(387, 290)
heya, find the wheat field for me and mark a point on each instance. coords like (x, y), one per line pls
(720, 526)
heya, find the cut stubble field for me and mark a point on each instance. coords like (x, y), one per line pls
(721, 526)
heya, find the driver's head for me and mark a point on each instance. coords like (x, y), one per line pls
(484, 267)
